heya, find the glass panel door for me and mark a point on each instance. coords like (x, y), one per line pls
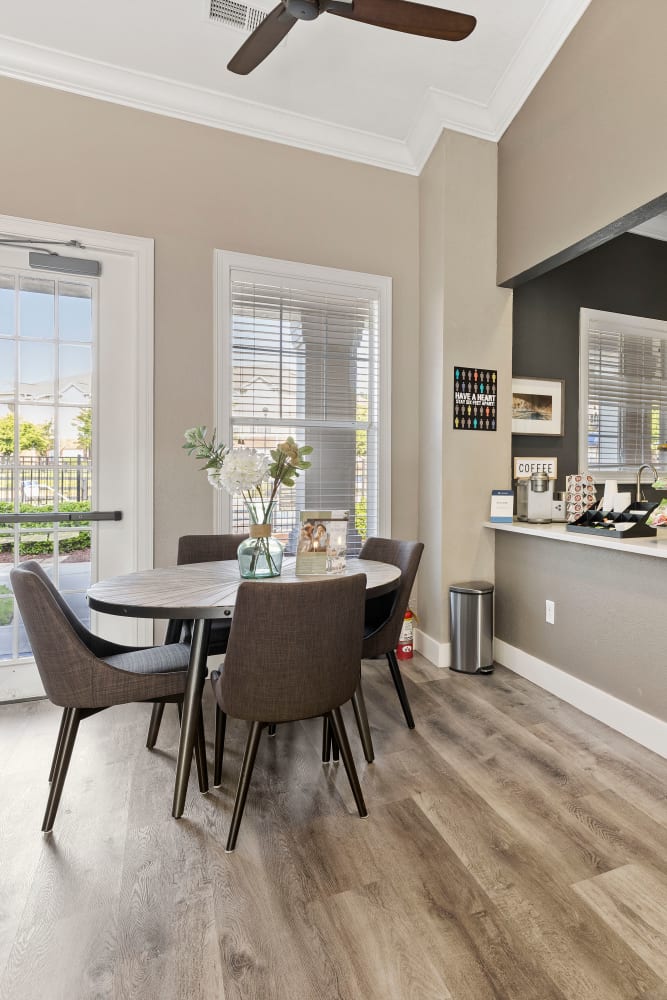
(47, 343)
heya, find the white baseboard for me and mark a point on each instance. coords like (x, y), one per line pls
(19, 681)
(437, 653)
(638, 725)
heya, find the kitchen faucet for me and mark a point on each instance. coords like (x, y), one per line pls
(640, 495)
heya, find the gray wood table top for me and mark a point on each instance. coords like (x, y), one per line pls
(208, 590)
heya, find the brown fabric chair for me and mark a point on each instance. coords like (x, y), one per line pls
(382, 628)
(197, 549)
(84, 674)
(384, 615)
(294, 652)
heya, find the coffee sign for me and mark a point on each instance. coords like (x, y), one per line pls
(525, 467)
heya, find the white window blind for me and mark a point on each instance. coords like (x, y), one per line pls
(623, 392)
(303, 359)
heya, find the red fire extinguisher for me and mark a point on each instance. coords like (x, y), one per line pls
(405, 640)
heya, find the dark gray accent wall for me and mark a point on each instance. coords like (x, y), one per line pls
(626, 275)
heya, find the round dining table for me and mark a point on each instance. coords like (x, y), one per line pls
(203, 592)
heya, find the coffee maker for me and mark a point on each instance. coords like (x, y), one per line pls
(534, 497)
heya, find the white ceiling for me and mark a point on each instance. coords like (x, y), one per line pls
(333, 85)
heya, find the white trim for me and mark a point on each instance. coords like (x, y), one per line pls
(221, 352)
(158, 95)
(20, 681)
(641, 326)
(539, 48)
(225, 261)
(637, 725)
(141, 250)
(437, 653)
(436, 110)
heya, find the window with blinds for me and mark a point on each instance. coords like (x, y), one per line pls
(302, 357)
(623, 392)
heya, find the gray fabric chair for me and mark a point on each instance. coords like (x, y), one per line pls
(84, 674)
(197, 549)
(382, 627)
(294, 652)
(384, 615)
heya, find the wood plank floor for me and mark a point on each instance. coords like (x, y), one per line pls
(515, 850)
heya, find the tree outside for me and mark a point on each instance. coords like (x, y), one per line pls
(83, 422)
(32, 437)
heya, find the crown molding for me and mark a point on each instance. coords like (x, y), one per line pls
(539, 48)
(88, 78)
(439, 110)
(489, 121)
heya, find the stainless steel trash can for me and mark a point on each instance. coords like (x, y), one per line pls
(471, 626)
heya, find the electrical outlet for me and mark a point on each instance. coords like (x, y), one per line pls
(550, 612)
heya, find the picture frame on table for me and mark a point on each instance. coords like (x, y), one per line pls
(538, 406)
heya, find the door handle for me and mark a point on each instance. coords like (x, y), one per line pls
(59, 517)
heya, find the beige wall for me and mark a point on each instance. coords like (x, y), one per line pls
(83, 162)
(589, 145)
(466, 320)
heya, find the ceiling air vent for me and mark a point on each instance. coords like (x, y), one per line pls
(236, 15)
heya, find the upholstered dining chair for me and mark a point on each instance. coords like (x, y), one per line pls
(84, 674)
(384, 615)
(197, 549)
(294, 653)
(382, 627)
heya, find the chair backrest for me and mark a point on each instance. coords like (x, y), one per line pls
(405, 555)
(67, 667)
(294, 649)
(72, 674)
(34, 567)
(207, 548)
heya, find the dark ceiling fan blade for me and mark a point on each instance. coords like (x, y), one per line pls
(403, 15)
(263, 40)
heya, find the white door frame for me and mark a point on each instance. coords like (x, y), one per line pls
(22, 681)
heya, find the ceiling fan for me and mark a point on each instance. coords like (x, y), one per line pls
(399, 15)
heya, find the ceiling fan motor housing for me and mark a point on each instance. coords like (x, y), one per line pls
(303, 10)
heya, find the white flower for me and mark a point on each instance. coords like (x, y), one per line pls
(242, 469)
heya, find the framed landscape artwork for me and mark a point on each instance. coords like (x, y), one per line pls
(537, 406)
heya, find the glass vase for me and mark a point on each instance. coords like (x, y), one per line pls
(261, 555)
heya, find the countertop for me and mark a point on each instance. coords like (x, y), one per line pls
(556, 532)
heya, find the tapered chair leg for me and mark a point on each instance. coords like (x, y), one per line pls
(400, 688)
(338, 727)
(359, 706)
(59, 742)
(326, 740)
(154, 728)
(220, 726)
(68, 737)
(200, 754)
(272, 729)
(244, 782)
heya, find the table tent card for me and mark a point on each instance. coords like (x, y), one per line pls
(322, 543)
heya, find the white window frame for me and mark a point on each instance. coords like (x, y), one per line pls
(225, 262)
(622, 323)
